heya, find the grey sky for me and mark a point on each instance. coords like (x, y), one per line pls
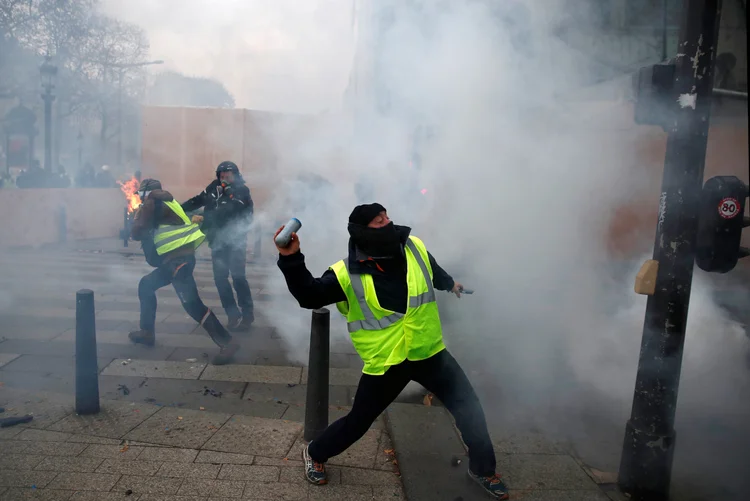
(285, 55)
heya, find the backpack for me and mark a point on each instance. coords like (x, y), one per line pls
(147, 243)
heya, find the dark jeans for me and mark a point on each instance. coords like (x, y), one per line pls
(440, 375)
(228, 260)
(179, 273)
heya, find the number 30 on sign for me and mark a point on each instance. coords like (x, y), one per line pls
(729, 208)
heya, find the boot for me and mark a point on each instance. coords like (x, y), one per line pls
(226, 354)
(147, 338)
(221, 337)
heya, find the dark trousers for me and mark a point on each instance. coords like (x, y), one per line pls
(228, 260)
(440, 375)
(179, 273)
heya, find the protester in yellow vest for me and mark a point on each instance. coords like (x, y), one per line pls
(169, 240)
(385, 289)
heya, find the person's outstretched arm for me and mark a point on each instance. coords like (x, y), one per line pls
(310, 292)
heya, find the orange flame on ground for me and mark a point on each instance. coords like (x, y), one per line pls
(129, 188)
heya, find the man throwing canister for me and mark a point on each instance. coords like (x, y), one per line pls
(385, 288)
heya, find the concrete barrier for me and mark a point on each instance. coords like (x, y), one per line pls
(32, 216)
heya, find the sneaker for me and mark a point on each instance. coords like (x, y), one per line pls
(226, 354)
(234, 323)
(142, 337)
(315, 472)
(241, 324)
(492, 485)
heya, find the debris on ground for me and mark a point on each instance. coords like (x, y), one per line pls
(128, 492)
(427, 399)
(291, 385)
(201, 408)
(125, 447)
(124, 389)
(191, 360)
(455, 461)
(211, 391)
(126, 362)
(12, 421)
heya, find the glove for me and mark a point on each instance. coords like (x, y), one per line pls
(197, 219)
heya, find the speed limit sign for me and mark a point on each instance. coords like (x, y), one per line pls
(729, 208)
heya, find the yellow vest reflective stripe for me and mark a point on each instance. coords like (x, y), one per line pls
(169, 237)
(383, 337)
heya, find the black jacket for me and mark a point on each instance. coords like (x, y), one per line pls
(227, 212)
(389, 278)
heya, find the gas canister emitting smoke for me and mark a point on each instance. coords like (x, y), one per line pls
(285, 236)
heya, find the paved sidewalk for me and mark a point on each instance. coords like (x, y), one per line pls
(143, 452)
(238, 422)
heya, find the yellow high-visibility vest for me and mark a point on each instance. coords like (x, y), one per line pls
(169, 237)
(382, 337)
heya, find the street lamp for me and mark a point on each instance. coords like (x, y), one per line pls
(48, 73)
(122, 68)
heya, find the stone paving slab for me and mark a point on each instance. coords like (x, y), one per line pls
(179, 427)
(6, 358)
(297, 413)
(46, 408)
(360, 455)
(27, 479)
(16, 494)
(338, 377)
(548, 471)
(527, 442)
(119, 343)
(294, 394)
(48, 364)
(113, 421)
(255, 436)
(154, 368)
(253, 374)
(32, 347)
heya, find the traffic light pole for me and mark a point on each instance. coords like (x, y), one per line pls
(648, 448)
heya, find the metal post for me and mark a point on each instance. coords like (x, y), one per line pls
(648, 448)
(87, 368)
(316, 405)
(48, 98)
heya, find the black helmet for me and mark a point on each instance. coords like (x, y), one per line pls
(228, 166)
(149, 185)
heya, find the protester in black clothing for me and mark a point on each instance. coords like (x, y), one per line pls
(400, 343)
(228, 210)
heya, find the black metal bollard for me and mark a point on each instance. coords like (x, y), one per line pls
(62, 225)
(316, 405)
(87, 369)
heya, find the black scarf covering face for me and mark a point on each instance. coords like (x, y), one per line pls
(379, 243)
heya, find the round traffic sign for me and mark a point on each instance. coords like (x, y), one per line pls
(729, 208)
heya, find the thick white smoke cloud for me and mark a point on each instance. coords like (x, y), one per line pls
(522, 181)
